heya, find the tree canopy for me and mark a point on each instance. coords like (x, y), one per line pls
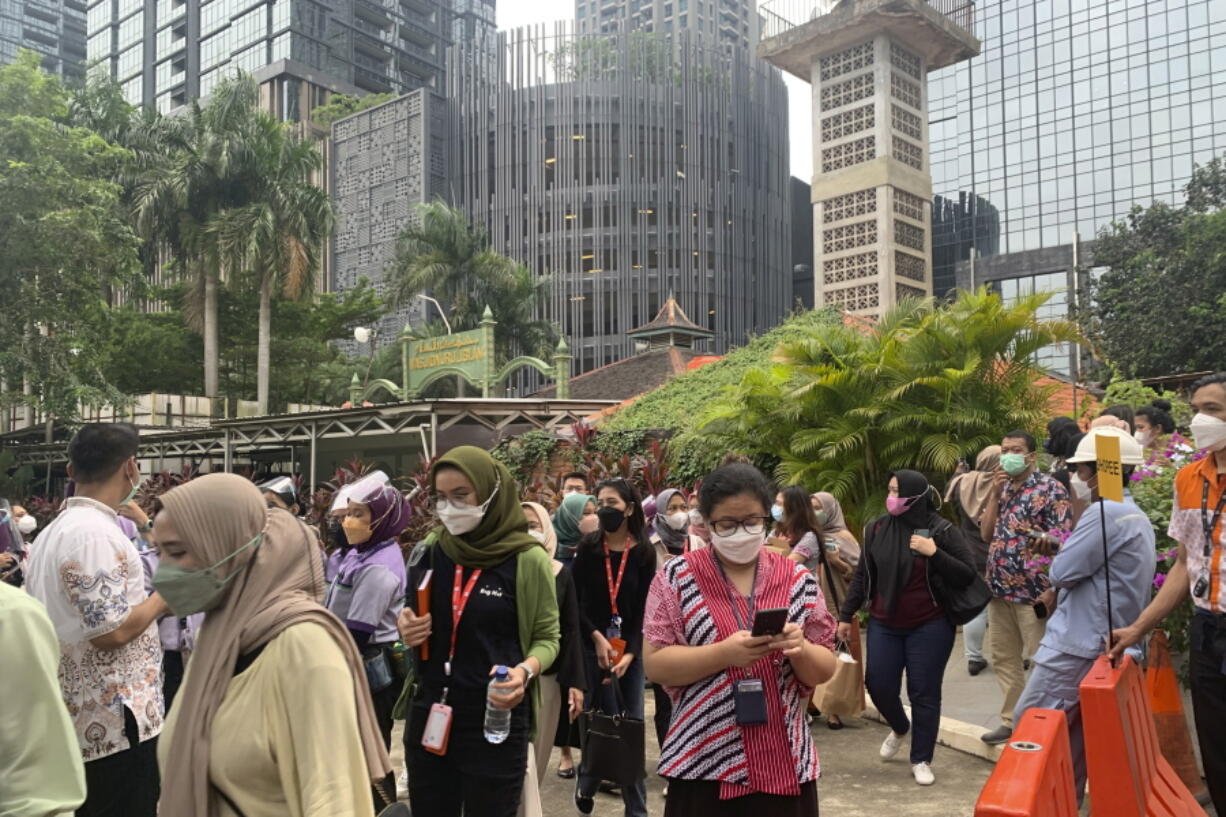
(1163, 262)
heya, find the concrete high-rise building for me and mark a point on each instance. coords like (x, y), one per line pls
(621, 167)
(733, 22)
(55, 29)
(168, 52)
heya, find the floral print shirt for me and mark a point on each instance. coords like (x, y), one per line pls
(89, 576)
(1039, 505)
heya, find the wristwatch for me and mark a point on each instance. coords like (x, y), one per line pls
(148, 526)
(527, 671)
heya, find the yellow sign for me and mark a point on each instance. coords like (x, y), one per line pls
(1110, 470)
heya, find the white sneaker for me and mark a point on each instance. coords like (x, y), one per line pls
(923, 774)
(891, 745)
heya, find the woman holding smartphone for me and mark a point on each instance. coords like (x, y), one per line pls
(911, 556)
(738, 743)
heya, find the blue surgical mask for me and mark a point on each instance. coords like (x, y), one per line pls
(777, 512)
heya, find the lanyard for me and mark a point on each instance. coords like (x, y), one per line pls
(615, 588)
(1210, 523)
(458, 602)
(734, 596)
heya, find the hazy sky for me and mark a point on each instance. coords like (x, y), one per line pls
(512, 13)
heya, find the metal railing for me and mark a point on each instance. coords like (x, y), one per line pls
(781, 16)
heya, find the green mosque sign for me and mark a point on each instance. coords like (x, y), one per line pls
(467, 356)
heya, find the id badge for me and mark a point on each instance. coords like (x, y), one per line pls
(438, 730)
(619, 648)
(749, 697)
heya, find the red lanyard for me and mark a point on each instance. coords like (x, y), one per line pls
(614, 589)
(458, 603)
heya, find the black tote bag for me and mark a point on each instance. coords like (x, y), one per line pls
(612, 744)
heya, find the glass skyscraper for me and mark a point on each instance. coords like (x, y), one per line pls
(168, 52)
(53, 28)
(1074, 112)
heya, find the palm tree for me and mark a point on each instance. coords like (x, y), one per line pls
(176, 200)
(845, 406)
(275, 237)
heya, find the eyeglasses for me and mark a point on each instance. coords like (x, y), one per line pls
(754, 525)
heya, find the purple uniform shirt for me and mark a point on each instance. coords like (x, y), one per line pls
(367, 592)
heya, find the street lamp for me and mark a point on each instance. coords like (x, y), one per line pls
(439, 307)
(363, 334)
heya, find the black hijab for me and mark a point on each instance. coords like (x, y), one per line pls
(889, 543)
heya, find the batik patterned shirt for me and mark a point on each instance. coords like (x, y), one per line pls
(1040, 505)
(89, 577)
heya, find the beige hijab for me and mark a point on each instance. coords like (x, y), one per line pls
(974, 488)
(281, 584)
(551, 536)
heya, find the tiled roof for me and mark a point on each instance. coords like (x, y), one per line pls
(671, 318)
(630, 377)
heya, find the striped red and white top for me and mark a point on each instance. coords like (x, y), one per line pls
(690, 604)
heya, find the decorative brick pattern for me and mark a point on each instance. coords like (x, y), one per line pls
(838, 125)
(844, 62)
(849, 268)
(908, 235)
(905, 61)
(849, 236)
(849, 153)
(903, 291)
(849, 205)
(906, 122)
(908, 204)
(838, 94)
(908, 153)
(863, 296)
(904, 90)
(907, 265)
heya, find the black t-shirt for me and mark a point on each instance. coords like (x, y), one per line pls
(489, 628)
(592, 590)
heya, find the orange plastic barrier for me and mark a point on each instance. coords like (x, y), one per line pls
(1034, 775)
(1166, 702)
(1129, 777)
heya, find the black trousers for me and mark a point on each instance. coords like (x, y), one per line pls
(664, 712)
(125, 784)
(384, 702)
(1207, 667)
(172, 675)
(700, 798)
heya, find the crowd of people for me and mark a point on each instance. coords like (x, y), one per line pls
(218, 656)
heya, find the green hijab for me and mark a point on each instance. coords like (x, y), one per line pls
(503, 531)
(566, 519)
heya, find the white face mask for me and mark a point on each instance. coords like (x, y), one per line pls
(1081, 488)
(678, 520)
(27, 524)
(695, 517)
(538, 535)
(1143, 437)
(1209, 432)
(740, 548)
(460, 519)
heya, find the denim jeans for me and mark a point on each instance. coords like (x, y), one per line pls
(923, 652)
(631, 685)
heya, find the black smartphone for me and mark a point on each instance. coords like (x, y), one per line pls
(1040, 610)
(769, 621)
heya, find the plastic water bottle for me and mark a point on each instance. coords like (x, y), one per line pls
(497, 721)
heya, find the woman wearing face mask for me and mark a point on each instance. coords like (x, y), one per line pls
(672, 525)
(613, 571)
(563, 684)
(492, 603)
(1061, 432)
(367, 592)
(738, 743)
(801, 528)
(574, 519)
(275, 717)
(911, 556)
(698, 525)
(1154, 425)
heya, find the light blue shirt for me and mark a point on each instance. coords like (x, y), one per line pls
(1079, 624)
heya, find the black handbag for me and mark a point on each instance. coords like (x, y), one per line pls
(612, 744)
(961, 604)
